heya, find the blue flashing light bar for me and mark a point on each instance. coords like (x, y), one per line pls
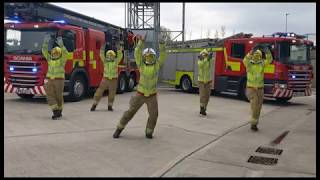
(282, 34)
(13, 21)
(60, 21)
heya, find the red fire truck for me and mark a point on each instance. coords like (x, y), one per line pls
(25, 68)
(289, 75)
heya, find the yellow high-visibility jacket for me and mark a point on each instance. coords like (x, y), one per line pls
(148, 73)
(255, 70)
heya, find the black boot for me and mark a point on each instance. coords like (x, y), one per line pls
(254, 127)
(149, 136)
(56, 114)
(203, 111)
(110, 108)
(59, 113)
(117, 133)
(93, 107)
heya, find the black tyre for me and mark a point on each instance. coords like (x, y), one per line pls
(186, 84)
(122, 84)
(77, 88)
(131, 82)
(26, 96)
(283, 100)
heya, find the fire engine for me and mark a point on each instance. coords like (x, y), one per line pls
(25, 68)
(288, 76)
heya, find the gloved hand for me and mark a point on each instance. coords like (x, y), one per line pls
(46, 38)
(266, 49)
(59, 41)
(210, 55)
(119, 46)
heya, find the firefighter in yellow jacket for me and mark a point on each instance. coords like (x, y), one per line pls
(255, 64)
(204, 79)
(149, 67)
(110, 76)
(55, 76)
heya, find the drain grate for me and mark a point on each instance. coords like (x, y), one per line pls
(263, 160)
(268, 150)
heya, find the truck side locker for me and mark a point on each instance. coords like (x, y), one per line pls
(168, 70)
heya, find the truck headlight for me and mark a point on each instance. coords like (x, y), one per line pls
(283, 86)
(11, 68)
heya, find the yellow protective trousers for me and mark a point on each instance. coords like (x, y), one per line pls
(106, 84)
(205, 92)
(255, 96)
(135, 103)
(54, 89)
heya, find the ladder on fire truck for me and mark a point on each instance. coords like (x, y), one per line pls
(43, 12)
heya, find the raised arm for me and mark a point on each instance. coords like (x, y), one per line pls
(44, 49)
(102, 54)
(163, 53)
(268, 57)
(247, 58)
(64, 51)
(138, 52)
(119, 55)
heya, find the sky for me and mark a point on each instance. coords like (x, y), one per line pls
(203, 19)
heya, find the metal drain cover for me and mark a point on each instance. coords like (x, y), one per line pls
(263, 160)
(268, 150)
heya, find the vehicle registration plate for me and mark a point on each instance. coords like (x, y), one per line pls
(23, 91)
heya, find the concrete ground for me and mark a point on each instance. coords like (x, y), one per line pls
(184, 144)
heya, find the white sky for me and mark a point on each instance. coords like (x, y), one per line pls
(201, 18)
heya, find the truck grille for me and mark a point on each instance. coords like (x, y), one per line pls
(299, 80)
(22, 74)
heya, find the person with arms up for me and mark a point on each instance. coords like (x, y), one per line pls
(149, 67)
(54, 83)
(110, 76)
(255, 64)
(205, 79)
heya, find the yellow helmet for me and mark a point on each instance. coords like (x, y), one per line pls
(110, 55)
(204, 53)
(56, 52)
(257, 55)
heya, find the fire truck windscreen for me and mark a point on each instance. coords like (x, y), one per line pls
(294, 53)
(26, 41)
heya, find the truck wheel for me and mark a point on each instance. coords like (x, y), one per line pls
(122, 84)
(283, 100)
(242, 92)
(186, 84)
(77, 88)
(26, 96)
(131, 82)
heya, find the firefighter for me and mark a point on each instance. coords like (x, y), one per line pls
(54, 83)
(110, 76)
(204, 79)
(255, 64)
(147, 88)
